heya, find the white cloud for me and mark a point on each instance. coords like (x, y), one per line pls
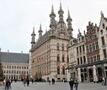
(17, 18)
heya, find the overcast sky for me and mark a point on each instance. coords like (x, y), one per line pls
(17, 18)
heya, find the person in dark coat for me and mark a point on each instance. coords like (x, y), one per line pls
(76, 85)
(27, 82)
(71, 83)
(32, 81)
(53, 81)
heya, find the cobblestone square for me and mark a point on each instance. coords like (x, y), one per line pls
(57, 86)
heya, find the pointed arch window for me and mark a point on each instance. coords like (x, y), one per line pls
(63, 58)
(62, 47)
(58, 70)
(57, 46)
(67, 59)
(58, 58)
(63, 70)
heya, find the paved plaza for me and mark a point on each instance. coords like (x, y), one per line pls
(57, 86)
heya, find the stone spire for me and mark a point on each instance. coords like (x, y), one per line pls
(102, 15)
(33, 37)
(69, 20)
(52, 19)
(79, 33)
(61, 12)
(40, 31)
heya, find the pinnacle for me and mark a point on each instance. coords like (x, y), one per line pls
(69, 17)
(102, 13)
(60, 6)
(52, 11)
(68, 13)
(33, 30)
(40, 29)
(60, 10)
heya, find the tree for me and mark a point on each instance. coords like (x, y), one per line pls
(1, 72)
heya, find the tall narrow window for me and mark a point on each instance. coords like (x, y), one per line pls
(104, 52)
(63, 70)
(94, 58)
(81, 59)
(93, 46)
(83, 48)
(67, 59)
(63, 58)
(78, 61)
(91, 59)
(77, 50)
(97, 47)
(80, 49)
(90, 49)
(88, 60)
(87, 49)
(58, 58)
(84, 59)
(103, 25)
(103, 41)
(58, 70)
(62, 47)
(98, 57)
(57, 46)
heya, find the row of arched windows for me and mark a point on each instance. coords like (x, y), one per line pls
(58, 47)
(63, 70)
(63, 58)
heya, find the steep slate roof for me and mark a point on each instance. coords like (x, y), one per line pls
(42, 39)
(14, 57)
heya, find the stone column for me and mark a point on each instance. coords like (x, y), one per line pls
(95, 78)
(79, 75)
(68, 75)
(88, 75)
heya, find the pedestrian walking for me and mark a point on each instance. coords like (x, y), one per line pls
(27, 82)
(49, 82)
(32, 81)
(103, 80)
(24, 82)
(76, 84)
(71, 83)
(7, 85)
(53, 81)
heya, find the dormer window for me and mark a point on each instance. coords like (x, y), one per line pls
(79, 39)
(82, 38)
(103, 25)
(101, 31)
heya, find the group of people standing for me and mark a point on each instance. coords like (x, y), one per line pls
(53, 81)
(73, 84)
(7, 83)
(26, 81)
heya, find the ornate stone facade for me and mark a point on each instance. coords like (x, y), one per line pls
(57, 50)
(102, 40)
(90, 55)
(49, 57)
(77, 53)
